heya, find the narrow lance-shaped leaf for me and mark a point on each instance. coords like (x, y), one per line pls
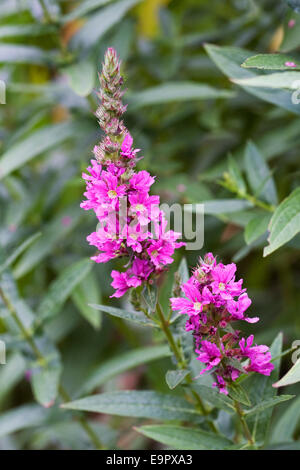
(179, 437)
(285, 223)
(272, 62)
(135, 317)
(291, 377)
(61, 288)
(259, 175)
(121, 363)
(138, 404)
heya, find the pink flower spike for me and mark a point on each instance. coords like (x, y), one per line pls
(291, 23)
(290, 64)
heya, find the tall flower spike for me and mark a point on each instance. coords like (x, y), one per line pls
(110, 182)
(213, 300)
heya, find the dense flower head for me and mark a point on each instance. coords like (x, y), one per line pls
(119, 195)
(213, 299)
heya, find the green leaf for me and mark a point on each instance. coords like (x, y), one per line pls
(21, 418)
(229, 60)
(294, 4)
(11, 374)
(271, 62)
(45, 383)
(100, 22)
(52, 233)
(260, 390)
(138, 404)
(215, 398)
(121, 363)
(285, 80)
(17, 30)
(17, 54)
(175, 91)
(18, 251)
(267, 404)
(81, 77)
(88, 291)
(225, 206)
(256, 227)
(259, 175)
(291, 377)
(287, 423)
(291, 38)
(150, 296)
(36, 143)
(183, 271)
(61, 288)
(136, 317)
(84, 8)
(285, 222)
(175, 377)
(236, 175)
(237, 392)
(183, 438)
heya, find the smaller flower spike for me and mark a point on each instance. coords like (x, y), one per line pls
(110, 182)
(213, 300)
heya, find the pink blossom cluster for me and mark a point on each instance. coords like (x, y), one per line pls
(119, 196)
(213, 300)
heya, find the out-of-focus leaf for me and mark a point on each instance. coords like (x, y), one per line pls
(61, 288)
(81, 77)
(237, 392)
(286, 425)
(291, 377)
(17, 54)
(285, 222)
(121, 363)
(54, 231)
(291, 38)
(175, 377)
(236, 175)
(215, 398)
(25, 30)
(45, 382)
(11, 374)
(100, 22)
(35, 144)
(294, 4)
(256, 227)
(83, 9)
(259, 175)
(229, 60)
(179, 437)
(223, 206)
(271, 62)
(18, 251)
(20, 418)
(268, 404)
(260, 390)
(176, 91)
(139, 404)
(136, 317)
(289, 80)
(88, 291)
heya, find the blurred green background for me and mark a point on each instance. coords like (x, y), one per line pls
(187, 116)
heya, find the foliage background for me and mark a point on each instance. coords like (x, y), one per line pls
(49, 59)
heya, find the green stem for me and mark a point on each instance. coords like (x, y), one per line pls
(246, 429)
(63, 393)
(182, 363)
(47, 15)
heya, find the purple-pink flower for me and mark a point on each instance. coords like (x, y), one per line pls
(213, 300)
(119, 195)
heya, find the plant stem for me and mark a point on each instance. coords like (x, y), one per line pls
(63, 393)
(182, 363)
(47, 15)
(246, 429)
